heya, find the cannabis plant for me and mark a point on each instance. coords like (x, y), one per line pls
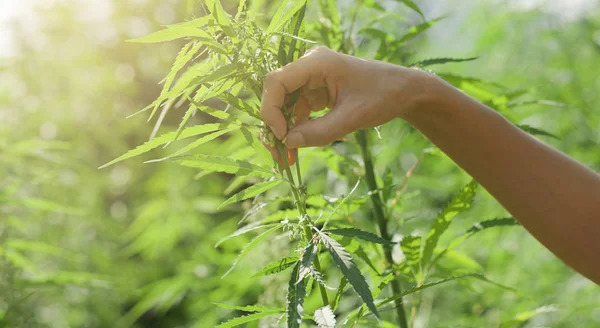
(220, 72)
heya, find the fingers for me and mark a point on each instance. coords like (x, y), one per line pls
(320, 131)
(284, 81)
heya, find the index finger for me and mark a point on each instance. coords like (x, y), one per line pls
(280, 83)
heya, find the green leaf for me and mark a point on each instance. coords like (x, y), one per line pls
(479, 226)
(249, 308)
(324, 317)
(438, 61)
(217, 113)
(421, 287)
(415, 31)
(537, 132)
(222, 17)
(174, 32)
(166, 138)
(525, 316)
(276, 267)
(295, 299)
(364, 235)
(221, 73)
(250, 246)
(196, 144)
(411, 247)
(251, 192)
(224, 164)
(340, 291)
(459, 203)
(245, 319)
(306, 260)
(241, 231)
(284, 14)
(412, 5)
(350, 271)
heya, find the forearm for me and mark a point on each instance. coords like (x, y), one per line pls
(555, 198)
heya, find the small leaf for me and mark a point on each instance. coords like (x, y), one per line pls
(250, 246)
(438, 61)
(349, 270)
(224, 164)
(245, 319)
(276, 267)
(340, 291)
(251, 192)
(166, 138)
(324, 317)
(412, 5)
(307, 258)
(241, 231)
(250, 308)
(411, 247)
(364, 235)
(479, 226)
(196, 143)
(537, 132)
(415, 31)
(421, 287)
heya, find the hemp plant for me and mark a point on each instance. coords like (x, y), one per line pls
(227, 58)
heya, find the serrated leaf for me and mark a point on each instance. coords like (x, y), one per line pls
(421, 287)
(166, 138)
(364, 235)
(412, 5)
(479, 226)
(245, 319)
(350, 271)
(276, 267)
(241, 231)
(459, 203)
(537, 132)
(295, 299)
(224, 164)
(250, 246)
(324, 317)
(196, 143)
(284, 14)
(251, 192)
(411, 247)
(249, 308)
(306, 260)
(174, 32)
(340, 291)
(438, 61)
(221, 17)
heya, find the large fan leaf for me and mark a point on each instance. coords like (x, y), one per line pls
(349, 269)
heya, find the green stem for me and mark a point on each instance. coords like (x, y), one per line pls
(382, 222)
(301, 204)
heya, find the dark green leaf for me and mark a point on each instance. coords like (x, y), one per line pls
(277, 266)
(438, 61)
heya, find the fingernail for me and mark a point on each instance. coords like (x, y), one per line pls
(277, 133)
(294, 140)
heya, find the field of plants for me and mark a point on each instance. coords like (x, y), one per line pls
(137, 188)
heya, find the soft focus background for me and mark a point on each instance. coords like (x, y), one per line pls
(132, 245)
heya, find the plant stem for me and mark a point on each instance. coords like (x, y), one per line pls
(301, 205)
(378, 209)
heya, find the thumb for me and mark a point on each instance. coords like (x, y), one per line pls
(318, 132)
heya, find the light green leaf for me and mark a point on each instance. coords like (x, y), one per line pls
(277, 266)
(222, 17)
(412, 5)
(350, 271)
(284, 14)
(224, 164)
(525, 316)
(459, 203)
(245, 319)
(250, 308)
(251, 192)
(241, 231)
(340, 291)
(411, 247)
(415, 31)
(421, 287)
(364, 235)
(197, 143)
(250, 246)
(324, 317)
(477, 227)
(168, 137)
(174, 32)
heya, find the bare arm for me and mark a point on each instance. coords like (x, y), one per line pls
(555, 198)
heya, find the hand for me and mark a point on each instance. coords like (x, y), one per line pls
(360, 93)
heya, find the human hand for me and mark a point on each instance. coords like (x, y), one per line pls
(360, 93)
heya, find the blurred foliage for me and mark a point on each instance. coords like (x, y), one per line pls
(133, 244)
